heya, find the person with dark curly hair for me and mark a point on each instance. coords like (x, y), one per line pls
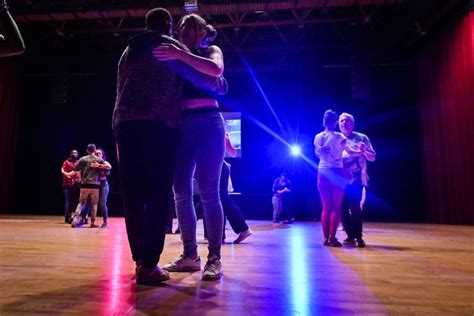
(281, 188)
(146, 124)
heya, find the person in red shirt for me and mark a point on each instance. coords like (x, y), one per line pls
(71, 185)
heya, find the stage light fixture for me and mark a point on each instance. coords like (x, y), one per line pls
(191, 6)
(295, 150)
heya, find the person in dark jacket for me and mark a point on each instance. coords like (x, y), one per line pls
(145, 123)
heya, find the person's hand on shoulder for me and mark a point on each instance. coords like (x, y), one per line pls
(167, 52)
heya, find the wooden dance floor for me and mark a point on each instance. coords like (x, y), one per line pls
(46, 267)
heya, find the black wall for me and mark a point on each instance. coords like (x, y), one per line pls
(68, 98)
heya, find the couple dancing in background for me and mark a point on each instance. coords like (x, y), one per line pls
(342, 177)
(168, 127)
(88, 173)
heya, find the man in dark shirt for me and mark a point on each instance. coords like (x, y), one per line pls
(145, 121)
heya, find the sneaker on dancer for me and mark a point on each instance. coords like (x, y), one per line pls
(333, 242)
(151, 276)
(93, 224)
(349, 241)
(183, 264)
(77, 222)
(212, 270)
(289, 221)
(360, 243)
(242, 236)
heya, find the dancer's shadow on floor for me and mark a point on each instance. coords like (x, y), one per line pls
(386, 248)
(116, 296)
(91, 298)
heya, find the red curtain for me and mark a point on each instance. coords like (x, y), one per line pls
(9, 112)
(446, 85)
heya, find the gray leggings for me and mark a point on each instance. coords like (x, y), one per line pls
(200, 152)
(277, 206)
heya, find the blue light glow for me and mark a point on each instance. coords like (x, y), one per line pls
(295, 150)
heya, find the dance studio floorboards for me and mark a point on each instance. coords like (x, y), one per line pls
(46, 267)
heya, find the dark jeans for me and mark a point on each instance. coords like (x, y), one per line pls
(170, 215)
(146, 158)
(71, 198)
(231, 209)
(351, 211)
(103, 194)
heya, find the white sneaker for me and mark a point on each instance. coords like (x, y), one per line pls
(183, 264)
(77, 222)
(212, 270)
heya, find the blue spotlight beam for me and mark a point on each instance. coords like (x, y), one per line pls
(267, 102)
(281, 139)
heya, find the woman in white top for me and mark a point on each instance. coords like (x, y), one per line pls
(329, 146)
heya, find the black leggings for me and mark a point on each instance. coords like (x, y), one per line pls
(146, 158)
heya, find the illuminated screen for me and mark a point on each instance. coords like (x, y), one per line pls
(233, 127)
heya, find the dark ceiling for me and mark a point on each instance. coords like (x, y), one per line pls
(334, 31)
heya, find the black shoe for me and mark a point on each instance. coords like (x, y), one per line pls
(177, 231)
(349, 241)
(333, 242)
(242, 236)
(360, 243)
(326, 242)
(288, 221)
(151, 276)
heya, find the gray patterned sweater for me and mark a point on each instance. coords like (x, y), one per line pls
(150, 90)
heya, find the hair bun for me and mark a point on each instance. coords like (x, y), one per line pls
(211, 33)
